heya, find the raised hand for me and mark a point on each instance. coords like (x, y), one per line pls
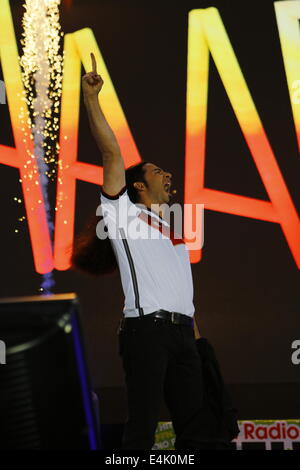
(92, 82)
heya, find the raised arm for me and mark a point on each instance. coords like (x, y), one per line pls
(113, 164)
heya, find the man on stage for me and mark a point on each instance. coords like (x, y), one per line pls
(156, 339)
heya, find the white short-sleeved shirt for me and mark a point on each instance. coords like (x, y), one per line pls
(154, 266)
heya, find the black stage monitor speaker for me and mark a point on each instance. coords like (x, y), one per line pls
(45, 393)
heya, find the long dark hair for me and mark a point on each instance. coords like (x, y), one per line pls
(94, 256)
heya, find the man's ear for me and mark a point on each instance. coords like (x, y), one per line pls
(139, 186)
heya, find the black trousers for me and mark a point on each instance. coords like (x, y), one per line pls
(161, 359)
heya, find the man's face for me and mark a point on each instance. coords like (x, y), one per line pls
(158, 183)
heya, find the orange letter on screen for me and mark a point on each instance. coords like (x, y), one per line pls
(207, 34)
(77, 49)
(22, 156)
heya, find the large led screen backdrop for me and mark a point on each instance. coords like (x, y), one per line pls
(209, 91)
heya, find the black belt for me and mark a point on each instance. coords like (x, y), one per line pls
(168, 317)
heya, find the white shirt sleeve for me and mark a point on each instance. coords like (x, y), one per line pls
(118, 210)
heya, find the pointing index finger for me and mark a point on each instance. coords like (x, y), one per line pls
(94, 64)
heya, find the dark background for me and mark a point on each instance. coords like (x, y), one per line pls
(247, 284)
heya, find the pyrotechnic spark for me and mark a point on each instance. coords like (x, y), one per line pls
(42, 66)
